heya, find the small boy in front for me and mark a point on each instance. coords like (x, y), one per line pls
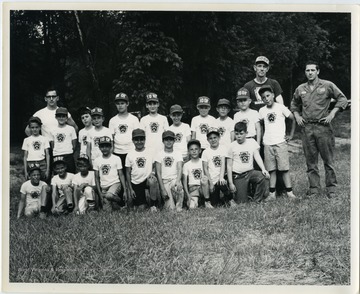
(62, 189)
(85, 115)
(109, 176)
(225, 124)
(36, 149)
(168, 166)
(34, 196)
(84, 186)
(64, 139)
(195, 182)
(275, 140)
(240, 168)
(140, 174)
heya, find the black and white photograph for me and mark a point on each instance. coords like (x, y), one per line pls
(150, 148)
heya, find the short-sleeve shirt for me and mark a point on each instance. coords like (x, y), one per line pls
(35, 146)
(181, 133)
(274, 121)
(213, 159)
(93, 137)
(89, 179)
(83, 139)
(225, 128)
(141, 164)
(154, 126)
(32, 192)
(200, 126)
(108, 170)
(194, 171)
(122, 128)
(251, 117)
(243, 155)
(62, 137)
(168, 161)
(57, 181)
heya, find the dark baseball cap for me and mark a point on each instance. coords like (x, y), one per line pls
(83, 157)
(104, 140)
(138, 133)
(97, 111)
(33, 166)
(61, 110)
(243, 93)
(213, 130)
(265, 88)
(168, 134)
(176, 108)
(121, 96)
(151, 97)
(58, 159)
(224, 101)
(203, 100)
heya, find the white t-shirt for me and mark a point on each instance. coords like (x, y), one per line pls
(194, 171)
(200, 125)
(62, 137)
(141, 163)
(213, 158)
(251, 117)
(108, 170)
(83, 139)
(181, 132)
(93, 137)
(122, 128)
(154, 126)
(274, 121)
(32, 192)
(89, 179)
(48, 120)
(35, 146)
(57, 181)
(243, 155)
(168, 162)
(225, 128)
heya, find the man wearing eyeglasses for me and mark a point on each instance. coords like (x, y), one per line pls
(47, 115)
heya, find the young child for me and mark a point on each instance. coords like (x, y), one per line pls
(275, 139)
(62, 189)
(240, 170)
(36, 149)
(248, 115)
(213, 159)
(84, 186)
(225, 124)
(93, 150)
(153, 123)
(109, 176)
(140, 175)
(168, 166)
(122, 125)
(34, 196)
(195, 182)
(181, 130)
(201, 122)
(85, 114)
(64, 139)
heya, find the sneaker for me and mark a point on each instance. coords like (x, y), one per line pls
(42, 215)
(232, 203)
(330, 195)
(271, 197)
(291, 195)
(208, 204)
(153, 209)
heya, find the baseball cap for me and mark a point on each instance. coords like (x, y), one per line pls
(33, 166)
(59, 159)
(224, 101)
(213, 130)
(168, 134)
(176, 108)
(151, 97)
(83, 157)
(262, 59)
(243, 93)
(138, 133)
(97, 111)
(35, 119)
(266, 88)
(104, 140)
(121, 96)
(203, 100)
(61, 110)
(194, 141)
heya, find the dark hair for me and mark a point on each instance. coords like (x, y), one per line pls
(51, 89)
(312, 62)
(194, 142)
(240, 126)
(84, 110)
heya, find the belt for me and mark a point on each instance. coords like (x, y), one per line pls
(238, 176)
(316, 122)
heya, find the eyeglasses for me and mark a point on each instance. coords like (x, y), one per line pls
(51, 97)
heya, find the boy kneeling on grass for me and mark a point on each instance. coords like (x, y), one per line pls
(195, 182)
(240, 168)
(34, 194)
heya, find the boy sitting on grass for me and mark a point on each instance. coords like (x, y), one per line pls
(195, 182)
(61, 183)
(34, 196)
(109, 177)
(84, 186)
(240, 168)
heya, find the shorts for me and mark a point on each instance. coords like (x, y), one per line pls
(276, 157)
(194, 192)
(139, 189)
(32, 208)
(114, 189)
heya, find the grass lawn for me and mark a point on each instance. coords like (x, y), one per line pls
(303, 242)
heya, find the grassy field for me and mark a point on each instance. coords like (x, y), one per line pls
(303, 242)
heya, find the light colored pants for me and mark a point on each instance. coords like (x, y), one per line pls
(88, 194)
(176, 196)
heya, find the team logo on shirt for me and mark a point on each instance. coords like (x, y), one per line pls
(203, 128)
(140, 162)
(84, 140)
(36, 145)
(196, 173)
(60, 137)
(221, 131)
(244, 157)
(123, 128)
(154, 127)
(168, 161)
(271, 117)
(34, 194)
(96, 141)
(216, 160)
(178, 137)
(105, 169)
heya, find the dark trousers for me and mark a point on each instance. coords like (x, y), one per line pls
(259, 183)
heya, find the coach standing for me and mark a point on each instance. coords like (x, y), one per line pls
(310, 105)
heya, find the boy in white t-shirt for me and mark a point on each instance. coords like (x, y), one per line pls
(36, 149)
(168, 166)
(201, 122)
(122, 125)
(109, 177)
(84, 186)
(85, 115)
(140, 174)
(154, 124)
(240, 167)
(195, 182)
(34, 196)
(275, 140)
(225, 124)
(181, 130)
